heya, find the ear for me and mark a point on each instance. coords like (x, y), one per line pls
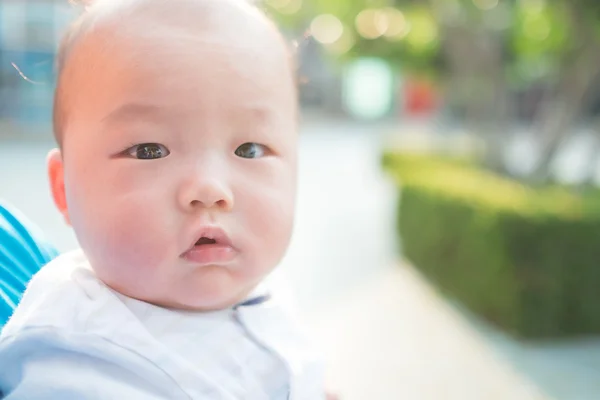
(57, 182)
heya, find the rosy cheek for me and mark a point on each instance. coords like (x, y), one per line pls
(271, 234)
(139, 235)
(131, 248)
(122, 224)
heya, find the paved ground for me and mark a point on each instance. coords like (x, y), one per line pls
(386, 334)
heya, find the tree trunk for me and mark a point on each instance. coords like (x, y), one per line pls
(558, 115)
(590, 173)
(474, 57)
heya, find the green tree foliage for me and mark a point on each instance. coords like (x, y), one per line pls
(481, 52)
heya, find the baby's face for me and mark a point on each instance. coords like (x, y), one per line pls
(180, 164)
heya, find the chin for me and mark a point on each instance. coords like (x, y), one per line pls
(210, 300)
(215, 288)
(204, 304)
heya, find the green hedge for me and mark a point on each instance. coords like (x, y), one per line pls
(526, 260)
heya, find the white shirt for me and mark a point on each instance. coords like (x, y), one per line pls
(72, 337)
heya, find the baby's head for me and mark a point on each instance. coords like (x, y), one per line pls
(176, 122)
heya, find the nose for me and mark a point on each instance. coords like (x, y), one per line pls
(205, 191)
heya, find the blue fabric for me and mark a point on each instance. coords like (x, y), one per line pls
(23, 251)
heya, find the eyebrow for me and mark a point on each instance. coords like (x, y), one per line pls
(258, 113)
(130, 111)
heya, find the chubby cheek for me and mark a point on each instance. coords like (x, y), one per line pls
(137, 240)
(126, 236)
(268, 214)
(272, 234)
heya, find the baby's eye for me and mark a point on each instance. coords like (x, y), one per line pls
(250, 150)
(148, 151)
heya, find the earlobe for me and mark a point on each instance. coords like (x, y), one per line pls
(57, 182)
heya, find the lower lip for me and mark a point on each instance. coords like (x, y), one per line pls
(208, 254)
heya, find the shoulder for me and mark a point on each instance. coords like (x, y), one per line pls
(64, 364)
(69, 324)
(64, 294)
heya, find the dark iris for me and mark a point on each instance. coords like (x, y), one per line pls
(148, 151)
(250, 150)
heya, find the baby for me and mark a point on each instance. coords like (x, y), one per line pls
(177, 127)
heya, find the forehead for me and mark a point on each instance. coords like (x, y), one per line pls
(185, 52)
(183, 66)
(149, 26)
(233, 21)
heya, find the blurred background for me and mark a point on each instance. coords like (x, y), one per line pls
(448, 229)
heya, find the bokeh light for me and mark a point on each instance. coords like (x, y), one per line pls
(398, 26)
(371, 23)
(368, 88)
(326, 28)
(343, 44)
(537, 28)
(424, 30)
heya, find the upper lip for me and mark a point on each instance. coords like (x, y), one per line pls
(211, 232)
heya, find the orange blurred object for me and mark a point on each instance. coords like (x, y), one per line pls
(420, 97)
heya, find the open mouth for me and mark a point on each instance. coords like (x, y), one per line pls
(212, 248)
(210, 238)
(204, 240)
